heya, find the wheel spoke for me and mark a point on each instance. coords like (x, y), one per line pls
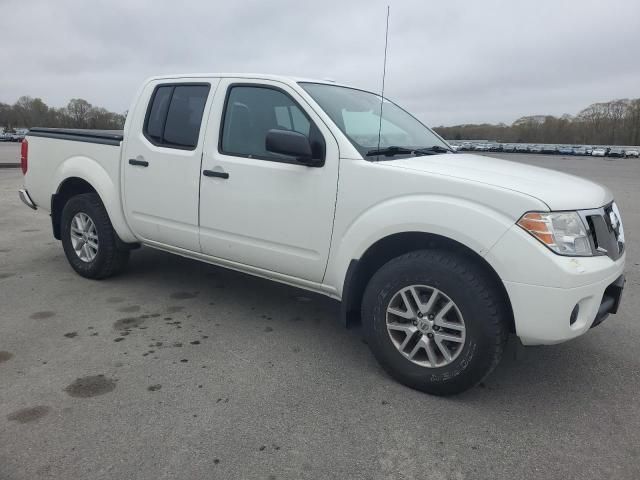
(449, 325)
(408, 304)
(431, 354)
(408, 330)
(446, 336)
(443, 311)
(443, 349)
(93, 245)
(399, 313)
(432, 300)
(420, 345)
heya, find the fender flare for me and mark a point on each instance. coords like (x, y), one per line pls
(92, 172)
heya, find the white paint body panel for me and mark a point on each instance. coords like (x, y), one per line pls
(303, 226)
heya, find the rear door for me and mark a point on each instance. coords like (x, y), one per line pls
(262, 209)
(162, 155)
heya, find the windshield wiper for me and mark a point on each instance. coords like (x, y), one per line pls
(389, 151)
(395, 150)
(434, 150)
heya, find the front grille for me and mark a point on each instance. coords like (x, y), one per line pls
(606, 231)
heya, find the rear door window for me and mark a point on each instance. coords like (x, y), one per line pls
(175, 114)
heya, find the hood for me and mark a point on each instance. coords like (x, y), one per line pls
(560, 191)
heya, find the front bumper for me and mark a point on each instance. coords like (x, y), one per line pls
(544, 314)
(26, 199)
(545, 288)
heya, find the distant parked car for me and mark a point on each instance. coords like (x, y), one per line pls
(508, 147)
(549, 149)
(522, 148)
(579, 151)
(598, 152)
(3, 137)
(535, 149)
(481, 147)
(616, 152)
(565, 150)
(495, 147)
(632, 153)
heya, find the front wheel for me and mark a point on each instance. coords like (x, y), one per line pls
(435, 321)
(88, 238)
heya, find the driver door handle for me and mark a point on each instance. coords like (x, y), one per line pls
(215, 173)
(139, 163)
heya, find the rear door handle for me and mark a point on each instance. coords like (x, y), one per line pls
(215, 173)
(139, 163)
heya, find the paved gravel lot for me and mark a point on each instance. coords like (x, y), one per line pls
(183, 370)
(9, 153)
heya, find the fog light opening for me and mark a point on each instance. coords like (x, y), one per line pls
(574, 314)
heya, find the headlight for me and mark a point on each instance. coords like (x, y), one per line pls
(563, 232)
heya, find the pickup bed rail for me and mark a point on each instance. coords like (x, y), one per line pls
(104, 137)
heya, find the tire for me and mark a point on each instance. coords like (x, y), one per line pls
(478, 306)
(108, 259)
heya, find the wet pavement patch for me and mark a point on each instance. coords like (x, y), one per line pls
(128, 323)
(175, 309)
(27, 415)
(195, 342)
(90, 386)
(41, 315)
(71, 334)
(131, 309)
(184, 295)
(6, 275)
(119, 339)
(4, 356)
(115, 299)
(154, 388)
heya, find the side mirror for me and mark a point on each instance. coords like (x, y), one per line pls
(290, 143)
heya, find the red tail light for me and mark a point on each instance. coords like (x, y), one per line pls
(24, 156)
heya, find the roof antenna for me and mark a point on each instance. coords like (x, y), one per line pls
(384, 73)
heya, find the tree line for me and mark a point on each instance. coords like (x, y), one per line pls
(30, 112)
(608, 123)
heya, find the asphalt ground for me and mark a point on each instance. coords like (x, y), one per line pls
(9, 154)
(178, 369)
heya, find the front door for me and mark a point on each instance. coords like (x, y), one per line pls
(161, 164)
(258, 208)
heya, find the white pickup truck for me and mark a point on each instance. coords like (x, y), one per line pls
(330, 189)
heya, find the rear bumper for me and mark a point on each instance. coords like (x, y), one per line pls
(26, 199)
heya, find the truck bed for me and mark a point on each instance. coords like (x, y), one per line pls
(104, 137)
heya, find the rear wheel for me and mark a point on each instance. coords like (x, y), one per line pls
(435, 321)
(88, 238)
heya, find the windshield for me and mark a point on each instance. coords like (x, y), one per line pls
(357, 114)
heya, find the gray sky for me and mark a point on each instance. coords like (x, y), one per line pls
(450, 62)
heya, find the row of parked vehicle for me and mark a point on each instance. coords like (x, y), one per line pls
(15, 136)
(549, 149)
